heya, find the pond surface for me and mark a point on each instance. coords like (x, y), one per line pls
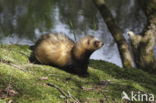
(23, 21)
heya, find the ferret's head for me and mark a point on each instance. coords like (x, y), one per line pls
(91, 43)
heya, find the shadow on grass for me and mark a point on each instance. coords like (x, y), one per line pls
(131, 76)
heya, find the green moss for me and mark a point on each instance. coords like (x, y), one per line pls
(105, 82)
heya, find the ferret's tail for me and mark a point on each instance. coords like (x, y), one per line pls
(32, 57)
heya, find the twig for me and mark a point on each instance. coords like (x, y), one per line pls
(11, 64)
(60, 90)
(64, 93)
(24, 54)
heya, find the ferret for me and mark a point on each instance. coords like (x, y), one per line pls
(56, 49)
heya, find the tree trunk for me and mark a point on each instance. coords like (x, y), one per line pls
(126, 56)
(143, 45)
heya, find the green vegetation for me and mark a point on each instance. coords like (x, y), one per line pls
(24, 82)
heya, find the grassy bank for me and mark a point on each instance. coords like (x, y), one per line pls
(24, 82)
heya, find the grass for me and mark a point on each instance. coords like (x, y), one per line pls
(24, 82)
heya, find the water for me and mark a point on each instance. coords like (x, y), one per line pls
(23, 22)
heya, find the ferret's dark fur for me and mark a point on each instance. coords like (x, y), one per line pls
(60, 51)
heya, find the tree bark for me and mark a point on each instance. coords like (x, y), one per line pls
(125, 54)
(143, 44)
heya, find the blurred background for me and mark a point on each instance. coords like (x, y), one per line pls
(23, 21)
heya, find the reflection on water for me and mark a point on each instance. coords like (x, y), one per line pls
(16, 40)
(23, 21)
(22, 17)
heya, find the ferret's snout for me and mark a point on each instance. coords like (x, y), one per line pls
(99, 43)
